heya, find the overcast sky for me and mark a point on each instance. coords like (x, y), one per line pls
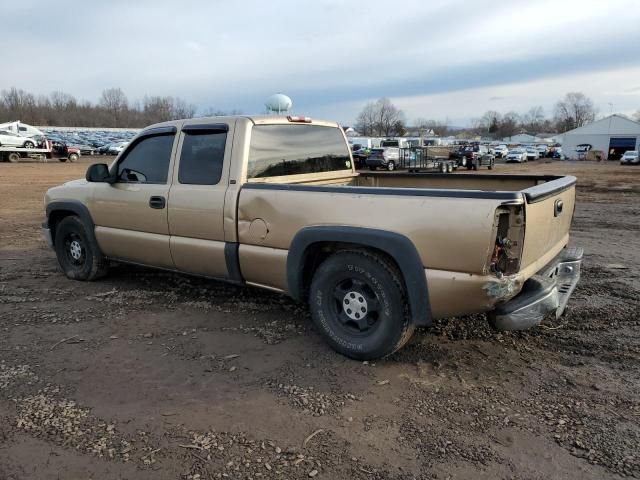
(437, 59)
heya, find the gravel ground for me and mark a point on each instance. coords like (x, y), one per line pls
(151, 375)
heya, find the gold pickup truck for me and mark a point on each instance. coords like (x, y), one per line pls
(275, 202)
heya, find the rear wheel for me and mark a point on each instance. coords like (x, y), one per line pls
(443, 168)
(449, 168)
(358, 304)
(391, 166)
(77, 252)
(13, 157)
(73, 157)
(29, 144)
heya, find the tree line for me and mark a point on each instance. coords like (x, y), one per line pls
(112, 110)
(575, 109)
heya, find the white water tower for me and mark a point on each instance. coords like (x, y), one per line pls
(278, 103)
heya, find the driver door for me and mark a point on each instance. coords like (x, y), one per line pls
(131, 214)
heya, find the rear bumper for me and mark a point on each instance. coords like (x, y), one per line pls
(376, 162)
(546, 292)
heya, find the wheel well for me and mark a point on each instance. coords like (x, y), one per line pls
(55, 217)
(318, 252)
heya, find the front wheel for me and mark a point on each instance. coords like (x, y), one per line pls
(29, 144)
(391, 166)
(358, 304)
(77, 252)
(73, 157)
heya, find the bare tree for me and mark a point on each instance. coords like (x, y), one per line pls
(533, 119)
(575, 110)
(381, 118)
(366, 121)
(115, 102)
(490, 121)
(510, 124)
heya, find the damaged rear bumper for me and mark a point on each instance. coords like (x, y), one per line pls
(546, 292)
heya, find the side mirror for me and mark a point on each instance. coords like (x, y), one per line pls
(99, 172)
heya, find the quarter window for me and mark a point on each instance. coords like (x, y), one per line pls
(202, 157)
(147, 161)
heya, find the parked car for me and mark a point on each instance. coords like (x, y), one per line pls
(557, 153)
(501, 151)
(360, 154)
(10, 139)
(532, 153)
(104, 149)
(475, 156)
(542, 150)
(517, 155)
(117, 148)
(373, 255)
(383, 157)
(630, 157)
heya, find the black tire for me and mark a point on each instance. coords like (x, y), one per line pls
(449, 168)
(77, 252)
(29, 144)
(443, 168)
(391, 166)
(491, 165)
(13, 157)
(373, 285)
(474, 165)
(73, 157)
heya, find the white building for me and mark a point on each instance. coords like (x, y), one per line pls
(613, 135)
(523, 138)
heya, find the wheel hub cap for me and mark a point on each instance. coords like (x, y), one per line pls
(75, 249)
(354, 305)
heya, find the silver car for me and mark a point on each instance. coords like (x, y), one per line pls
(10, 139)
(630, 157)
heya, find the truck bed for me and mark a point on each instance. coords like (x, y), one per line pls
(451, 219)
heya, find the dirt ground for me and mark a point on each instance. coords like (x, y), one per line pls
(151, 375)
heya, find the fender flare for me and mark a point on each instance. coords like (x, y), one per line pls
(77, 208)
(397, 246)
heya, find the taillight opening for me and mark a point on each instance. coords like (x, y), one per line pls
(506, 254)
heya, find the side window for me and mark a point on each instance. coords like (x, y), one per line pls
(147, 161)
(202, 157)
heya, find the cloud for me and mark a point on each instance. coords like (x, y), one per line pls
(330, 56)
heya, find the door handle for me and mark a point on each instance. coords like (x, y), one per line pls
(157, 202)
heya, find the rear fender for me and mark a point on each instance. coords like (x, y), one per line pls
(397, 246)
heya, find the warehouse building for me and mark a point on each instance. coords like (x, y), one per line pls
(612, 135)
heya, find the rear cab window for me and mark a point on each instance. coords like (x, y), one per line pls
(281, 150)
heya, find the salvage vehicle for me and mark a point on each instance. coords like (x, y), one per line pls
(275, 202)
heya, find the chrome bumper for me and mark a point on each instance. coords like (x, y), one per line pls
(546, 292)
